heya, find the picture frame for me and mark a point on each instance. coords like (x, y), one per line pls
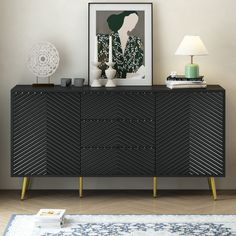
(122, 33)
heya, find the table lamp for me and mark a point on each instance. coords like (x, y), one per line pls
(191, 46)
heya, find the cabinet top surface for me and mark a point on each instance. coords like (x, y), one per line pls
(154, 88)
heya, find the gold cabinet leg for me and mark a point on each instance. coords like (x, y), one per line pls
(154, 186)
(80, 186)
(24, 187)
(213, 187)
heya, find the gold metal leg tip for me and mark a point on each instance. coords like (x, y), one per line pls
(154, 187)
(24, 188)
(213, 187)
(80, 187)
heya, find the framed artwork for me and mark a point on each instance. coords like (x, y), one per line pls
(121, 33)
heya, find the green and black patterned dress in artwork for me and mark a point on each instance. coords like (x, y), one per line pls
(127, 62)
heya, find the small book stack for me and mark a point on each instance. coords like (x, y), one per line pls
(50, 218)
(179, 81)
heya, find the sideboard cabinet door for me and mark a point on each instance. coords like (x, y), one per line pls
(45, 133)
(190, 133)
(29, 133)
(207, 134)
(172, 133)
(63, 134)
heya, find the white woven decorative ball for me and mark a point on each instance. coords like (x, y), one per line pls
(43, 59)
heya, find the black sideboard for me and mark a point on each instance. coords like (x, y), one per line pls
(122, 131)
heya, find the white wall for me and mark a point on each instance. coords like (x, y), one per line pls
(64, 23)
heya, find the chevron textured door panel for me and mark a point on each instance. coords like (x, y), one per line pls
(136, 133)
(99, 162)
(99, 133)
(136, 161)
(172, 134)
(136, 105)
(29, 132)
(63, 134)
(206, 132)
(99, 106)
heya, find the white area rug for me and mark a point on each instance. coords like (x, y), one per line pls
(132, 225)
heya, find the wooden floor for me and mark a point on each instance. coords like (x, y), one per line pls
(117, 202)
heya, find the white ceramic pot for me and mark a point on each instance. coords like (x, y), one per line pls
(96, 75)
(110, 73)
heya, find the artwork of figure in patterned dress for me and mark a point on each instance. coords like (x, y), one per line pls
(127, 31)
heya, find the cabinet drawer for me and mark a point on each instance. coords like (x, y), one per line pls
(123, 105)
(126, 133)
(118, 162)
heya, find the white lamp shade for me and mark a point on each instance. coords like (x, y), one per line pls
(191, 46)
